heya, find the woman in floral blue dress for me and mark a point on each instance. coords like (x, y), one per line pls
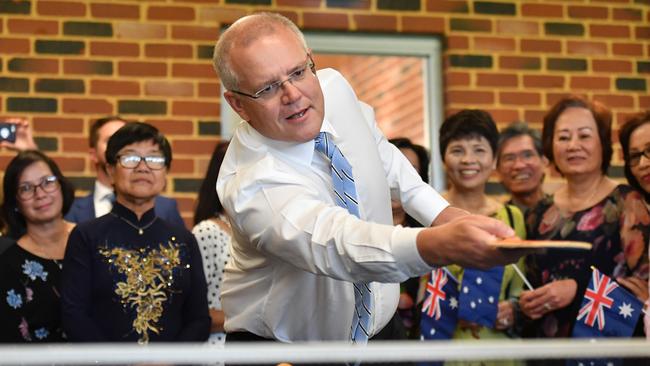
(36, 198)
(588, 206)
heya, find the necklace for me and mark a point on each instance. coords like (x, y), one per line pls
(140, 229)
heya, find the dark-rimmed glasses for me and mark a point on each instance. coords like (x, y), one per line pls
(27, 190)
(130, 161)
(271, 90)
(635, 158)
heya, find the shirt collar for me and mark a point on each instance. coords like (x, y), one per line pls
(101, 190)
(299, 153)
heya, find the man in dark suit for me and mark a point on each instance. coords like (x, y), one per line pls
(100, 201)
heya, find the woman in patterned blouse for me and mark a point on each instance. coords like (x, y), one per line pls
(589, 207)
(212, 232)
(36, 196)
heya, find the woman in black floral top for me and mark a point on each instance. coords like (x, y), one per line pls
(587, 207)
(36, 198)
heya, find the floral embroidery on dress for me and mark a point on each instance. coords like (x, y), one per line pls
(23, 327)
(13, 299)
(41, 333)
(149, 275)
(33, 270)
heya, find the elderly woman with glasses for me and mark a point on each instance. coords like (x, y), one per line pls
(634, 137)
(36, 196)
(130, 275)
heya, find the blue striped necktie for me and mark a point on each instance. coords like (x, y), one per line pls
(346, 196)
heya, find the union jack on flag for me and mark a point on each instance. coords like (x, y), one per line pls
(598, 299)
(431, 304)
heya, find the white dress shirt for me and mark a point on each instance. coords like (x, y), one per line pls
(295, 253)
(102, 199)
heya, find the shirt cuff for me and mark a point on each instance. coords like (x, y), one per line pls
(406, 252)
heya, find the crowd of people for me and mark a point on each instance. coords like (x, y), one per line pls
(293, 237)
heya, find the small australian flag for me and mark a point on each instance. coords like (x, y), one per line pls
(440, 306)
(479, 295)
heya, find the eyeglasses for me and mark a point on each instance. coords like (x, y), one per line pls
(270, 91)
(27, 190)
(510, 159)
(635, 158)
(132, 161)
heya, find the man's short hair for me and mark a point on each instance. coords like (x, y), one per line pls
(517, 129)
(98, 124)
(242, 33)
(132, 133)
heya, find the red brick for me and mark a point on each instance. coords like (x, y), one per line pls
(609, 31)
(533, 116)
(200, 109)
(222, 15)
(58, 124)
(325, 21)
(412, 24)
(74, 144)
(173, 126)
(542, 10)
(627, 49)
(538, 45)
(14, 45)
(609, 66)
(195, 32)
(500, 80)
(375, 22)
(291, 15)
(182, 166)
(543, 81)
(209, 90)
(642, 32)
(588, 12)
(299, 3)
(117, 11)
(170, 13)
(520, 98)
(192, 146)
(615, 101)
(469, 97)
(31, 26)
(644, 102)
(627, 14)
(517, 27)
(494, 44)
(70, 164)
(114, 87)
(517, 62)
(139, 30)
(82, 67)
(137, 68)
(168, 50)
(39, 65)
(185, 204)
(61, 8)
(169, 88)
(204, 70)
(116, 49)
(457, 42)
(587, 48)
(447, 6)
(91, 106)
(590, 82)
(457, 78)
(504, 115)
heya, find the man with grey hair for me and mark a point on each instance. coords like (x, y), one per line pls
(521, 164)
(307, 183)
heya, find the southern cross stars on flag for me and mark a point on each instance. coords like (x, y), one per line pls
(479, 296)
(440, 307)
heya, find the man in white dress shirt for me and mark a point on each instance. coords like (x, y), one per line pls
(295, 253)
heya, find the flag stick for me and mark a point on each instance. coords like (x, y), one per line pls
(530, 287)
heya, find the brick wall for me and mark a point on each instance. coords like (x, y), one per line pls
(64, 63)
